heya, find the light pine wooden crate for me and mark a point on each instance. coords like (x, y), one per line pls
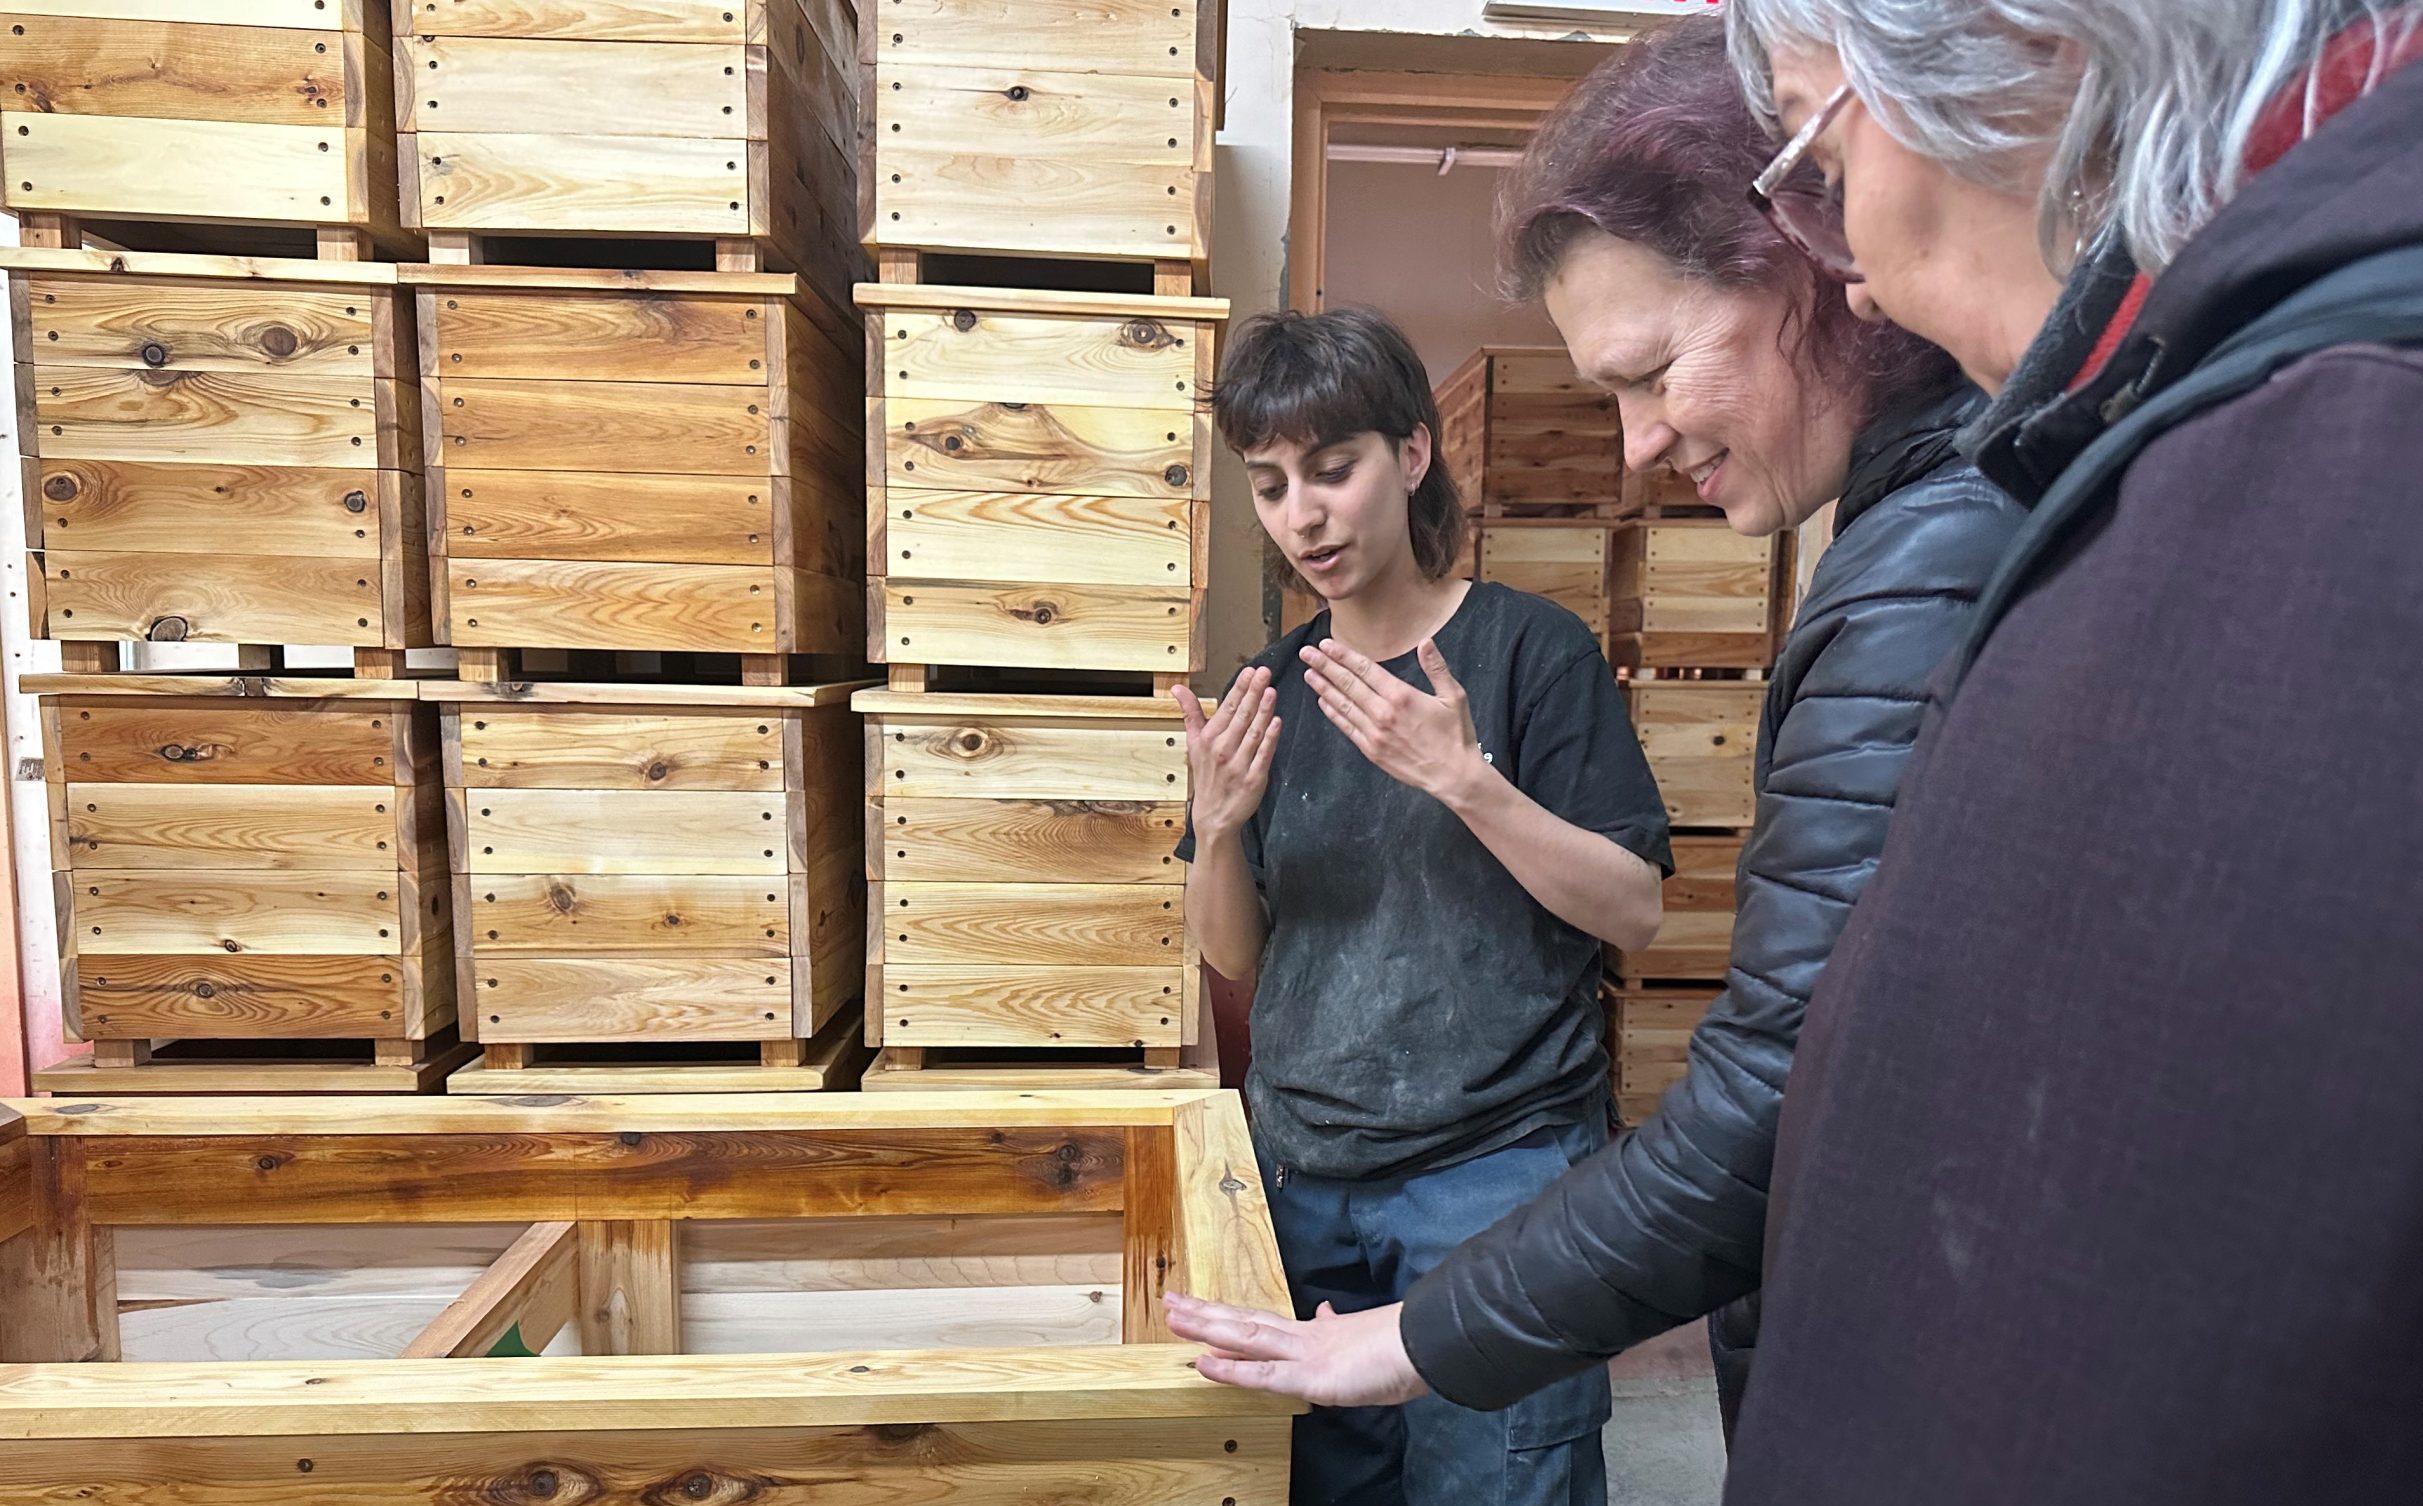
(1023, 888)
(1696, 939)
(656, 867)
(219, 450)
(1567, 562)
(1038, 478)
(244, 860)
(953, 1299)
(236, 112)
(660, 461)
(1649, 1036)
(1701, 737)
(1692, 593)
(1555, 443)
(1040, 128)
(732, 122)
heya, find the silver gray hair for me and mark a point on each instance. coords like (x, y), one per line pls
(2137, 112)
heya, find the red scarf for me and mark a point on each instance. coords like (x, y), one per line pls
(2346, 73)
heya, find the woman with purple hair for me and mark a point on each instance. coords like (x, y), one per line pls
(1739, 364)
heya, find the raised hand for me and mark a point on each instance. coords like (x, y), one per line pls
(1426, 741)
(1229, 753)
(1336, 1360)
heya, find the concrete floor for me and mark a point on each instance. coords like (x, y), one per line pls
(1664, 1444)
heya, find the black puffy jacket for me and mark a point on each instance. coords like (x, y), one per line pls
(1666, 1225)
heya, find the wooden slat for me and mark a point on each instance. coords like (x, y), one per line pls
(628, 1287)
(488, 85)
(150, 742)
(212, 598)
(1032, 537)
(655, 427)
(1223, 1219)
(978, 1318)
(214, 417)
(632, 998)
(638, 336)
(1034, 841)
(207, 914)
(107, 163)
(589, 914)
(594, 20)
(561, 749)
(101, 1117)
(1126, 452)
(1701, 739)
(312, 14)
(617, 693)
(945, 298)
(975, 354)
(173, 71)
(60, 1273)
(1154, 37)
(1053, 626)
(859, 1255)
(167, 326)
(651, 832)
(637, 185)
(511, 603)
(256, 998)
(290, 828)
(1009, 108)
(124, 505)
(1025, 760)
(998, 1005)
(530, 1288)
(1704, 580)
(1566, 565)
(1071, 925)
(596, 515)
(1153, 1259)
(16, 1177)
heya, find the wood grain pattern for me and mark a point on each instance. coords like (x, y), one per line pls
(1041, 1316)
(1698, 578)
(659, 427)
(1566, 565)
(202, 326)
(901, 1254)
(16, 1177)
(1026, 760)
(977, 354)
(1037, 538)
(1077, 925)
(654, 832)
(212, 598)
(295, 13)
(1009, 108)
(1653, 1042)
(1701, 738)
(1071, 450)
(1696, 938)
(553, 86)
(616, 914)
(564, 749)
(593, 20)
(223, 417)
(1055, 626)
(531, 1287)
(1228, 1251)
(638, 185)
(595, 515)
(272, 998)
(290, 828)
(930, 1005)
(1104, 36)
(208, 913)
(627, 1287)
(102, 164)
(1033, 841)
(118, 506)
(184, 742)
(636, 336)
(570, 604)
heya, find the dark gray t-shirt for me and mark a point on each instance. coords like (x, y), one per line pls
(1416, 1006)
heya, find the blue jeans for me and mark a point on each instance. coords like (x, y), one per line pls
(1363, 1244)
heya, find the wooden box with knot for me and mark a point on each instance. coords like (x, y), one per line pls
(1701, 737)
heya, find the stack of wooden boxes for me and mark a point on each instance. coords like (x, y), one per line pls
(1038, 192)
(639, 380)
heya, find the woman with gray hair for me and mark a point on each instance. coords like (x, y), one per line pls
(2101, 1175)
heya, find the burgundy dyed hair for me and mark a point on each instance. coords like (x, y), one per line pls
(1656, 147)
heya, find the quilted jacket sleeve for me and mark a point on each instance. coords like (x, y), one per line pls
(1667, 1224)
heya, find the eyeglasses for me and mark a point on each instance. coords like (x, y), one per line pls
(1806, 212)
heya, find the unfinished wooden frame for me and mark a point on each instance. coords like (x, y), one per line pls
(610, 1188)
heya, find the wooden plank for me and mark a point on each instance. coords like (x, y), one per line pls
(1704, 580)
(593, 20)
(311, 14)
(121, 505)
(1154, 37)
(637, 185)
(215, 417)
(1015, 760)
(652, 832)
(1151, 1242)
(1076, 710)
(530, 1289)
(551, 86)
(982, 1317)
(1034, 841)
(1223, 1218)
(61, 1272)
(655, 749)
(156, 325)
(1007, 108)
(103, 164)
(206, 914)
(975, 354)
(142, 998)
(211, 598)
(245, 1073)
(1033, 537)
(241, 686)
(16, 1177)
(594, 1113)
(1125, 452)
(532, 999)
(1566, 565)
(595, 515)
(1071, 925)
(281, 828)
(1054, 626)
(901, 1254)
(563, 914)
(589, 604)
(1701, 738)
(626, 1173)
(634, 336)
(941, 1005)
(628, 1287)
(147, 741)
(649, 427)
(594, 694)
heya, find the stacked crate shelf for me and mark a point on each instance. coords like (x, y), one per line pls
(642, 400)
(1038, 199)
